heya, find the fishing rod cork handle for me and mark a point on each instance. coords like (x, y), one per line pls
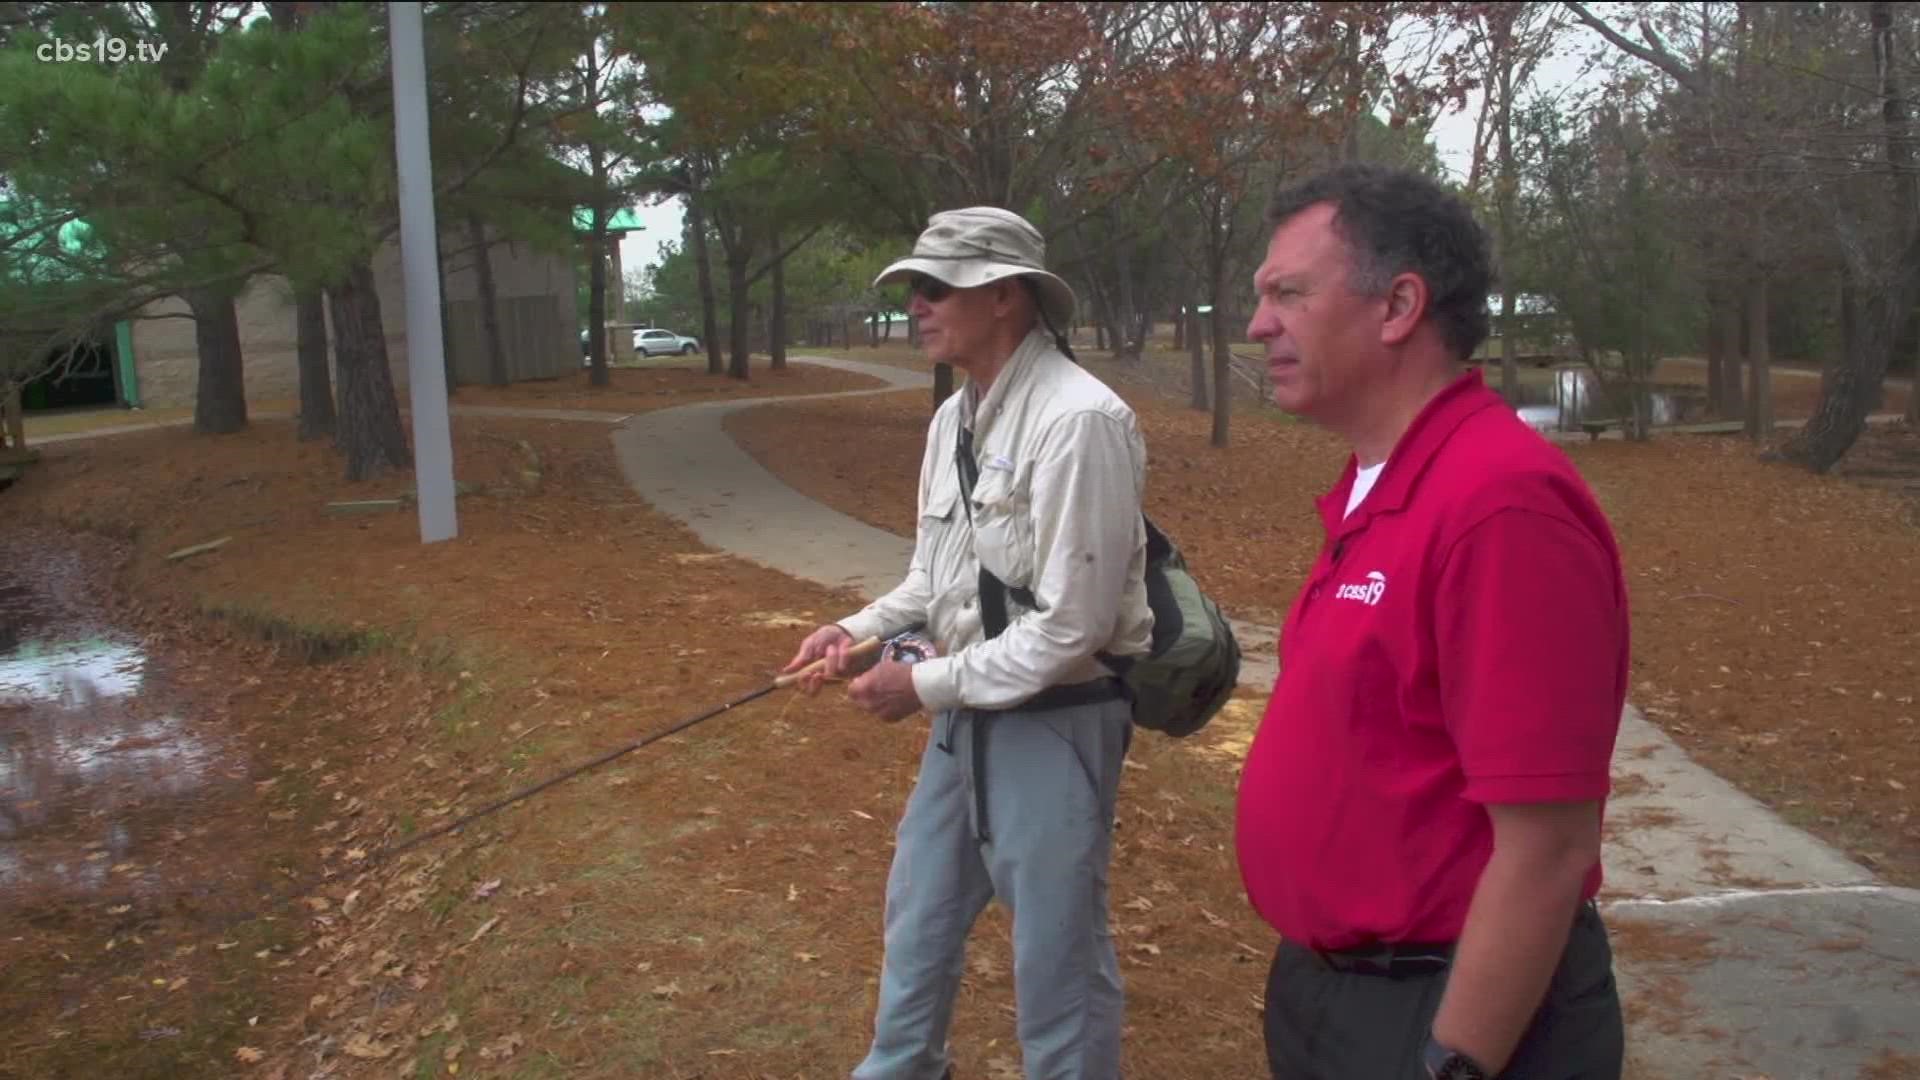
(858, 652)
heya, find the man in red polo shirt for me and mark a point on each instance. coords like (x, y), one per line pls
(1419, 816)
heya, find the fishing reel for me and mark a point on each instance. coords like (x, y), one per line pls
(909, 647)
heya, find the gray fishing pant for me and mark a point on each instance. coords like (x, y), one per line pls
(1051, 779)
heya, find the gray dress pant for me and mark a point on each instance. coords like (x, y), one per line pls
(1325, 1024)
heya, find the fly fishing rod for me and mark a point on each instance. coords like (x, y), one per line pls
(903, 646)
(858, 652)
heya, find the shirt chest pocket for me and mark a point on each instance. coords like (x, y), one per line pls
(1002, 510)
(950, 576)
(944, 527)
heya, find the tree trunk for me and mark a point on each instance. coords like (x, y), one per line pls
(1640, 363)
(1913, 391)
(777, 326)
(220, 400)
(1759, 365)
(1639, 396)
(1222, 360)
(740, 322)
(1352, 74)
(317, 414)
(1732, 402)
(1849, 331)
(489, 302)
(1105, 324)
(1197, 352)
(1904, 344)
(1841, 414)
(316, 383)
(597, 297)
(703, 270)
(1716, 350)
(1509, 184)
(1642, 410)
(1125, 347)
(757, 330)
(370, 434)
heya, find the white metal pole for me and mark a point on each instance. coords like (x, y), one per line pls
(426, 370)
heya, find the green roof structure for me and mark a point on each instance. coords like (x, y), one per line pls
(75, 237)
(36, 269)
(623, 220)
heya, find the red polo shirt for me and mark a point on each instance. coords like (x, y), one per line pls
(1461, 640)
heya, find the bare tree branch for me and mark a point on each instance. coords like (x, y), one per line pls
(1653, 52)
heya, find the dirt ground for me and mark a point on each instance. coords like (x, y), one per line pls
(707, 906)
(1776, 615)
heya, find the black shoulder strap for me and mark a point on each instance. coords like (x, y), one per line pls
(993, 591)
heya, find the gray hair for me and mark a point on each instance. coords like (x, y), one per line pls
(1396, 222)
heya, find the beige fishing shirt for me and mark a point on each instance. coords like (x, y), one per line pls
(1056, 511)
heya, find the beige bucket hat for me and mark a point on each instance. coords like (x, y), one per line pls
(981, 245)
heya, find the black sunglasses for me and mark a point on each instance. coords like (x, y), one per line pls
(932, 288)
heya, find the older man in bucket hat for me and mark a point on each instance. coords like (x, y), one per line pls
(1033, 473)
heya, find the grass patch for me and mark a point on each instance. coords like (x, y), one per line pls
(460, 715)
(442, 906)
(311, 641)
(628, 867)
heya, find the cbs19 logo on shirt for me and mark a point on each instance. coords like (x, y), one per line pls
(104, 49)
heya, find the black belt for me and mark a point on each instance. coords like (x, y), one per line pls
(1093, 692)
(1405, 960)
(1098, 690)
(1394, 961)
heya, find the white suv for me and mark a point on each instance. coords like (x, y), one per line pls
(662, 342)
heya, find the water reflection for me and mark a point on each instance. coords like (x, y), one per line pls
(83, 745)
(106, 762)
(1573, 395)
(73, 674)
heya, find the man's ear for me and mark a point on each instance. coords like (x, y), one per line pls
(1006, 296)
(1407, 299)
